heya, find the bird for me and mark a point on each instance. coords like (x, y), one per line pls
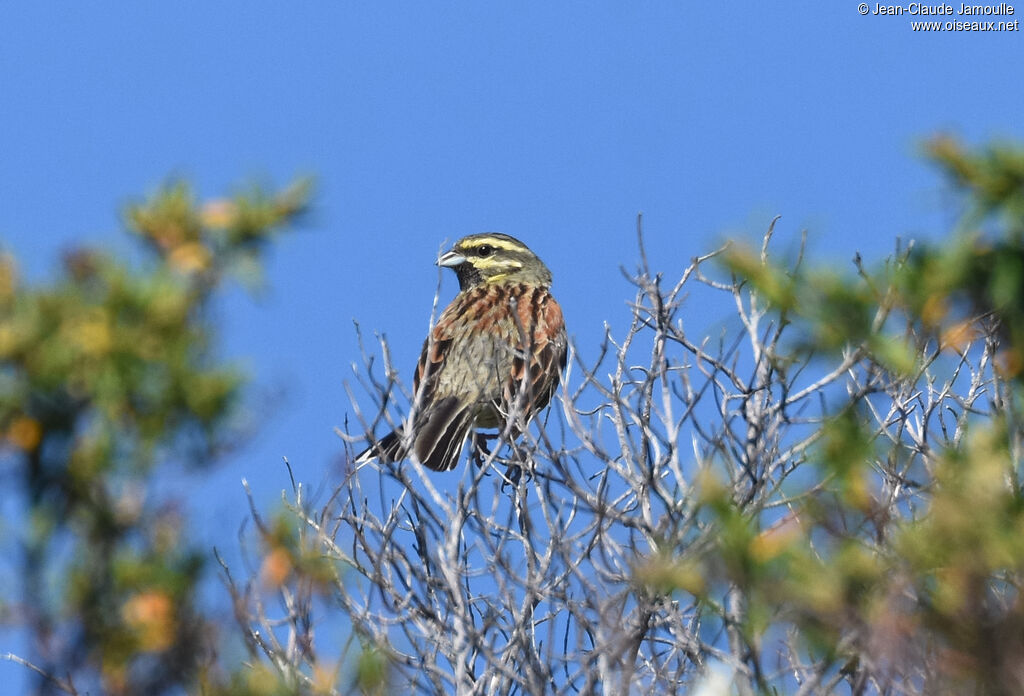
(493, 359)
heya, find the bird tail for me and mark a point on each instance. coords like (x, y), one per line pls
(437, 443)
(387, 449)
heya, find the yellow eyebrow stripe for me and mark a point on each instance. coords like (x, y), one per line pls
(503, 244)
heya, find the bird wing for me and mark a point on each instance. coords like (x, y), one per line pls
(444, 416)
(539, 367)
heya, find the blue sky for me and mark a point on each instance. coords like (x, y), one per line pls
(554, 122)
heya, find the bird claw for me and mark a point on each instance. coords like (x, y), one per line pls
(481, 452)
(513, 473)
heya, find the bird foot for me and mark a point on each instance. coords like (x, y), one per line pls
(481, 451)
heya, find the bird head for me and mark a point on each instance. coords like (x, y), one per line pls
(494, 258)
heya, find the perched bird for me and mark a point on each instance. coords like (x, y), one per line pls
(493, 359)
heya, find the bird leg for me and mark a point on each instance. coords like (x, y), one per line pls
(513, 472)
(481, 451)
(514, 467)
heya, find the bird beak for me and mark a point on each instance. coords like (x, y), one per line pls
(451, 258)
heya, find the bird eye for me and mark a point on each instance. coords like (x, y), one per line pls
(485, 250)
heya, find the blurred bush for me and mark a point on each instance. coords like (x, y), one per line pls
(107, 374)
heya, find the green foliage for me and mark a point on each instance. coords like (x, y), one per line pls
(942, 579)
(993, 178)
(106, 373)
(372, 671)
